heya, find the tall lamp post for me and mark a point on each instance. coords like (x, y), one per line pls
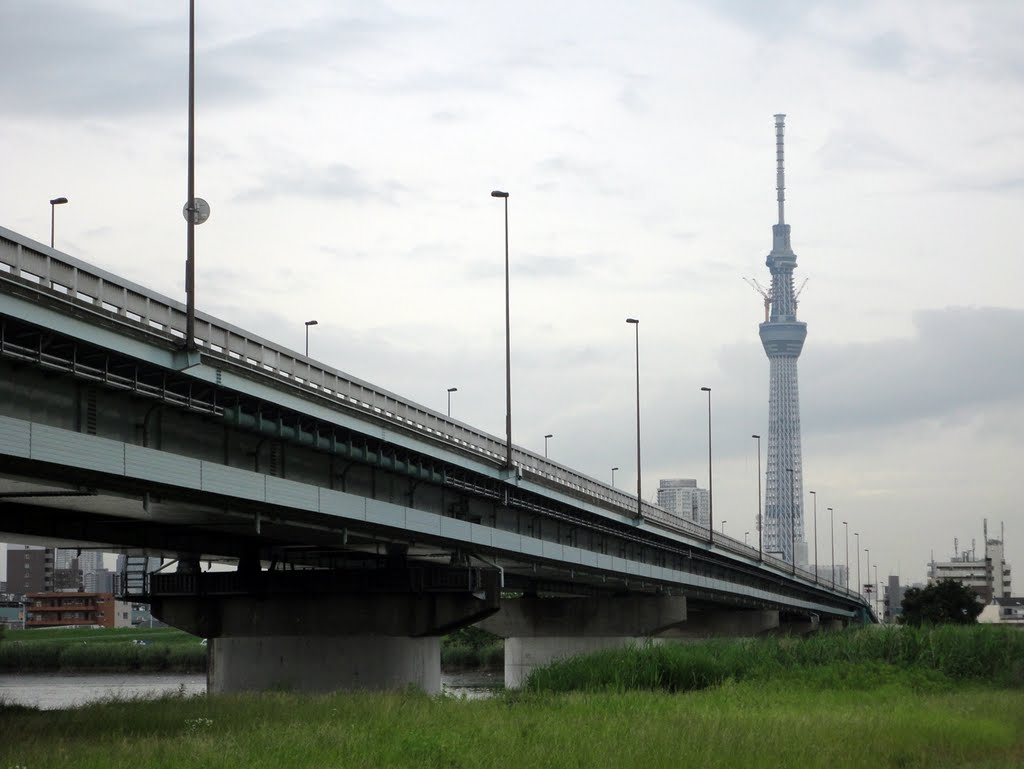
(53, 207)
(832, 517)
(450, 391)
(639, 499)
(868, 551)
(814, 497)
(546, 437)
(760, 540)
(613, 476)
(860, 585)
(508, 341)
(711, 491)
(792, 521)
(878, 591)
(308, 324)
(846, 528)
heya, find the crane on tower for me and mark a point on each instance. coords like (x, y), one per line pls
(764, 292)
(796, 296)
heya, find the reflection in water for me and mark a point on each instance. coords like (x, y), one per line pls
(51, 691)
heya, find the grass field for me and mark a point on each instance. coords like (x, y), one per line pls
(746, 724)
(871, 698)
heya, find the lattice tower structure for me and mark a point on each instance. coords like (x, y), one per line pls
(782, 336)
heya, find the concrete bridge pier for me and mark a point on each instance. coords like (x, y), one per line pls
(323, 663)
(328, 641)
(538, 631)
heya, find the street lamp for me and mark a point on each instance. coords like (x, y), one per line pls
(868, 551)
(549, 435)
(508, 341)
(760, 542)
(308, 324)
(878, 592)
(711, 493)
(792, 521)
(53, 207)
(814, 497)
(450, 391)
(191, 205)
(613, 476)
(832, 516)
(860, 585)
(639, 502)
(846, 528)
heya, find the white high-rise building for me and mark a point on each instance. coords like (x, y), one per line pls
(682, 497)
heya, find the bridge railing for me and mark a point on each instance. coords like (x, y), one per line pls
(49, 271)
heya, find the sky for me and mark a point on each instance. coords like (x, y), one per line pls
(348, 149)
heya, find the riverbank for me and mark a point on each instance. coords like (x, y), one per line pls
(859, 700)
(168, 650)
(110, 650)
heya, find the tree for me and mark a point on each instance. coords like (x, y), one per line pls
(945, 602)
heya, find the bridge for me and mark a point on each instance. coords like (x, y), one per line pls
(358, 526)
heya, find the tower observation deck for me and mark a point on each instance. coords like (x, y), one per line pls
(782, 336)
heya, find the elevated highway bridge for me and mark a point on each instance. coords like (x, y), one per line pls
(360, 526)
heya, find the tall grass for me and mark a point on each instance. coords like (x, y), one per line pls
(951, 652)
(743, 724)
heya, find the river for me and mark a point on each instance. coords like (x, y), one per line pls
(53, 691)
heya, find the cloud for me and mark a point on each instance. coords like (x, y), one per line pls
(335, 181)
(851, 148)
(887, 51)
(97, 62)
(959, 362)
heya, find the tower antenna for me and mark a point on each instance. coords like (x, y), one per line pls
(780, 172)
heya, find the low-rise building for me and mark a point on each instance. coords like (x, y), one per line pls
(1004, 611)
(64, 609)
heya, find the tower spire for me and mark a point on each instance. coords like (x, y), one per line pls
(780, 173)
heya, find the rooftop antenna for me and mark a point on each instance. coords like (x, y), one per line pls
(780, 174)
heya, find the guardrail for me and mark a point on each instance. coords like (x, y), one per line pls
(28, 262)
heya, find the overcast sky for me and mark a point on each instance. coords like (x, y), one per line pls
(348, 151)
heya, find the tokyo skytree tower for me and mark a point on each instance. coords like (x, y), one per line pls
(783, 338)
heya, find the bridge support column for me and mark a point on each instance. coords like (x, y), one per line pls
(263, 639)
(538, 631)
(323, 663)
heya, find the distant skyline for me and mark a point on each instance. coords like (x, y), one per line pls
(348, 151)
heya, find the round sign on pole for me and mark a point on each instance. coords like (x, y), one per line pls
(197, 211)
